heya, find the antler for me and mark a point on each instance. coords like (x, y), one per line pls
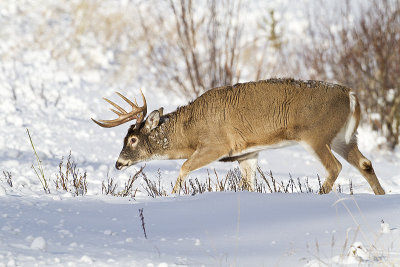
(137, 112)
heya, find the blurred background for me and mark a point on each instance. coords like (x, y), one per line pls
(182, 48)
(58, 58)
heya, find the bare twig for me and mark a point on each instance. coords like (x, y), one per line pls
(142, 220)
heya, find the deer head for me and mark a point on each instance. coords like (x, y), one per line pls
(136, 143)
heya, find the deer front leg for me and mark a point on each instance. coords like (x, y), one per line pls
(201, 157)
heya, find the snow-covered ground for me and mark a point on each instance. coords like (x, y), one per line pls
(213, 229)
(55, 101)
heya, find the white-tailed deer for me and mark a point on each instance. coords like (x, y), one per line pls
(234, 123)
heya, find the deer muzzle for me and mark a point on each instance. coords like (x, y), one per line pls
(122, 164)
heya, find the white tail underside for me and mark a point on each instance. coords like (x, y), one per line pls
(352, 121)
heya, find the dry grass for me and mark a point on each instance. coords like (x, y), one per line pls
(39, 167)
(8, 178)
(265, 183)
(71, 179)
(154, 189)
(110, 187)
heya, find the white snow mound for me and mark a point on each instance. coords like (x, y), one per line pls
(39, 244)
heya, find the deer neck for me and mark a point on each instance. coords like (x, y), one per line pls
(159, 138)
(167, 141)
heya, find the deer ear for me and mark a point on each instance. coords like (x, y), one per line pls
(161, 111)
(152, 120)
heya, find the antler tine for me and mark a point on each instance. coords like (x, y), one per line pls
(126, 99)
(138, 113)
(116, 106)
(135, 107)
(116, 112)
(111, 123)
(144, 107)
(135, 104)
(105, 125)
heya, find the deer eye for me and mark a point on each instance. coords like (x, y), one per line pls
(133, 140)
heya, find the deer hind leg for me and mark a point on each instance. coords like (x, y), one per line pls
(352, 155)
(198, 159)
(331, 165)
(248, 167)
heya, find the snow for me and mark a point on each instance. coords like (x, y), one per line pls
(212, 229)
(39, 243)
(55, 100)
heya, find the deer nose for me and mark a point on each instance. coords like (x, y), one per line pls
(119, 165)
(122, 163)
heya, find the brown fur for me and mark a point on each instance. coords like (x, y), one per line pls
(228, 123)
